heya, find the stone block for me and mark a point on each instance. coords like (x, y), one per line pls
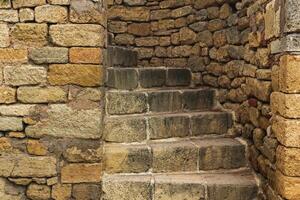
(7, 95)
(125, 129)
(210, 123)
(86, 191)
(38, 192)
(16, 109)
(29, 34)
(85, 11)
(286, 105)
(5, 4)
(49, 55)
(124, 187)
(174, 156)
(178, 77)
(9, 16)
(126, 103)
(60, 2)
(287, 187)
(126, 79)
(199, 4)
(287, 131)
(68, 35)
(292, 16)
(79, 122)
(11, 124)
(288, 161)
(288, 74)
(121, 57)
(127, 158)
(51, 14)
(199, 100)
(272, 19)
(81, 173)
(139, 29)
(35, 147)
(259, 89)
(25, 3)
(165, 101)
(26, 14)
(169, 126)
(86, 55)
(77, 74)
(10, 55)
(152, 77)
(139, 14)
(24, 75)
(82, 153)
(4, 35)
(61, 191)
(41, 95)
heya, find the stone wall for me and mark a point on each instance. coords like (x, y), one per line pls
(51, 64)
(237, 47)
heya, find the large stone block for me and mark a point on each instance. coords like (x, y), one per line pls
(292, 16)
(11, 124)
(77, 35)
(49, 55)
(165, 101)
(152, 77)
(13, 55)
(287, 187)
(51, 14)
(81, 173)
(125, 129)
(287, 131)
(122, 78)
(77, 74)
(78, 123)
(127, 158)
(4, 35)
(16, 109)
(288, 161)
(85, 11)
(289, 73)
(272, 19)
(86, 55)
(126, 103)
(286, 105)
(41, 95)
(24, 75)
(30, 34)
(86, 191)
(259, 89)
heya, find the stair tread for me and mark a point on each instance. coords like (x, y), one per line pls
(244, 177)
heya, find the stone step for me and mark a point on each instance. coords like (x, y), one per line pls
(213, 186)
(139, 128)
(180, 155)
(158, 101)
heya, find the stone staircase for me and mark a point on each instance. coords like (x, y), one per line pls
(166, 141)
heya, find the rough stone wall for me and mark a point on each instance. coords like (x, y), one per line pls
(51, 98)
(237, 47)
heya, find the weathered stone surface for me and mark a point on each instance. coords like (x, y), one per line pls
(165, 101)
(16, 109)
(286, 105)
(34, 147)
(288, 73)
(9, 193)
(86, 191)
(77, 35)
(259, 89)
(86, 55)
(78, 123)
(38, 192)
(125, 103)
(30, 34)
(51, 14)
(4, 35)
(60, 2)
(168, 126)
(61, 191)
(9, 15)
(26, 14)
(199, 100)
(7, 95)
(41, 95)
(174, 157)
(126, 159)
(124, 187)
(122, 78)
(85, 11)
(11, 124)
(24, 75)
(13, 55)
(20, 165)
(84, 75)
(125, 129)
(204, 4)
(25, 3)
(152, 77)
(49, 55)
(121, 57)
(287, 187)
(92, 94)
(287, 131)
(139, 29)
(292, 17)
(81, 173)
(75, 154)
(288, 161)
(129, 14)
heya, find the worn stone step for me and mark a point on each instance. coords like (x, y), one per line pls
(180, 155)
(213, 186)
(158, 101)
(130, 128)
